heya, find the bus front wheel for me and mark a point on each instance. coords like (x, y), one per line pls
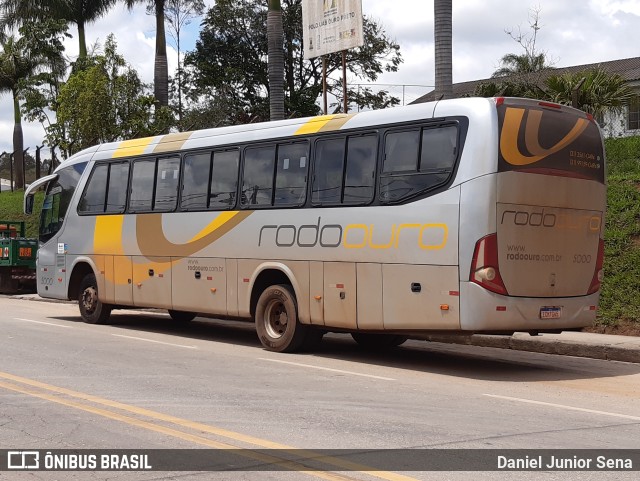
(277, 322)
(92, 309)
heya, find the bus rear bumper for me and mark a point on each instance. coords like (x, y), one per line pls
(483, 310)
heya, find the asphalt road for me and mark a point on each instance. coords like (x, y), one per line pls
(146, 382)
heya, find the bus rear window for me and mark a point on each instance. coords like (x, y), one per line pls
(548, 140)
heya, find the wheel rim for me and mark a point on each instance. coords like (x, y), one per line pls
(276, 319)
(90, 299)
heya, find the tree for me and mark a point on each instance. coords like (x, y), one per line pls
(178, 14)
(105, 103)
(31, 57)
(531, 75)
(443, 51)
(231, 60)
(78, 12)
(524, 66)
(160, 71)
(275, 60)
(594, 91)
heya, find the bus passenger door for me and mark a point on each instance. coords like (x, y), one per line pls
(152, 282)
(340, 294)
(122, 280)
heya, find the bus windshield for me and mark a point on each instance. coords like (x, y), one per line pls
(57, 200)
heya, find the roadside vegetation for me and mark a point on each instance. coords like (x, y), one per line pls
(620, 300)
(11, 210)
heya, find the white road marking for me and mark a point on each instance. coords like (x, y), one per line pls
(41, 322)
(327, 369)
(156, 342)
(563, 406)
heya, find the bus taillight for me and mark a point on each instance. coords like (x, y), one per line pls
(598, 273)
(484, 266)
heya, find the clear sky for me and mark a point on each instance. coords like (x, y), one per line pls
(573, 32)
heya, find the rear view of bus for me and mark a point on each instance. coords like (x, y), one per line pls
(540, 269)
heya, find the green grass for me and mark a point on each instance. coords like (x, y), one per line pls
(11, 210)
(620, 300)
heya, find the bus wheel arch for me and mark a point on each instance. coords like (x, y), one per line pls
(268, 276)
(78, 273)
(92, 309)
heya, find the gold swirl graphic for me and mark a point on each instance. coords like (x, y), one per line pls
(511, 128)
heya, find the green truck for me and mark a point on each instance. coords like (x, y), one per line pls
(17, 258)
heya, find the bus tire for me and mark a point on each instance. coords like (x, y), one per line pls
(377, 341)
(277, 321)
(92, 309)
(181, 316)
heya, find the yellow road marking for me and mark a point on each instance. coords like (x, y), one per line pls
(335, 462)
(265, 458)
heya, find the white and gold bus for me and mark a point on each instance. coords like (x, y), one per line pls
(468, 215)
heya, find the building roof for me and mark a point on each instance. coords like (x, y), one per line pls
(628, 68)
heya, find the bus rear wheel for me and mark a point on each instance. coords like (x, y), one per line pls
(92, 309)
(277, 321)
(377, 341)
(181, 316)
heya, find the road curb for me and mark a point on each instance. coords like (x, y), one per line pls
(540, 344)
(37, 298)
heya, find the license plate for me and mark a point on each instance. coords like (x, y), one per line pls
(550, 312)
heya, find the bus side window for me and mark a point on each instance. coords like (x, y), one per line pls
(117, 190)
(360, 172)
(166, 194)
(401, 151)
(328, 171)
(257, 178)
(224, 179)
(194, 181)
(291, 174)
(402, 176)
(93, 197)
(439, 148)
(142, 181)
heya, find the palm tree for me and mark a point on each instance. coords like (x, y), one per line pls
(513, 64)
(161, 72)
(18, 63)
(275, 60)
(78, 12)
(443, 51)
(594, 91)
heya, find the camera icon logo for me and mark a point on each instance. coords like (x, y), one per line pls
(23, 460)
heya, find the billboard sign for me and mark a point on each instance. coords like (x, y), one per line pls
(331, 26)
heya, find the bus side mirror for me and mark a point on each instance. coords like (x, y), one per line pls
(28, 204)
